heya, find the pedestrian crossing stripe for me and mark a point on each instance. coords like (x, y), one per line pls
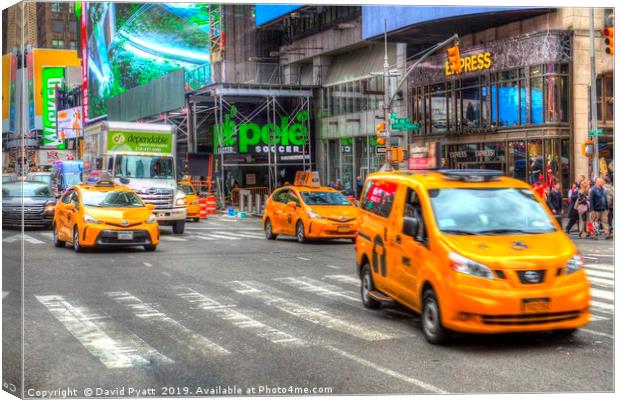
(240, 234)
(599, 274)
(113, 347)
(607, 283)
(347, 279)
(602, 294)
(319, 288)
(172, 238)
(600, 267)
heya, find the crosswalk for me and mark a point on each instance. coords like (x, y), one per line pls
(206, 321)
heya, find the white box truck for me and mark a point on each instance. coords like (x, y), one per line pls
(142, 157)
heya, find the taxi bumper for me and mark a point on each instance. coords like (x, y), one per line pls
(106, 236)
(497, 310)
(330, 229)
(193, 211)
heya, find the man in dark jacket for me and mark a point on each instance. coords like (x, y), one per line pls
(554, 201)
(600, 208)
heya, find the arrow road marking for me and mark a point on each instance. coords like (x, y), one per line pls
(27, 238)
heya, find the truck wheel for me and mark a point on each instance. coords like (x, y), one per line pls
(269, 231)
(178, 227)
(57, 242)
(76, 240)
(432, 327)
(150, 247)
(367, 286)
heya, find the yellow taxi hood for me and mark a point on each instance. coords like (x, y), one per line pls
(335, 212)
(514, 251)
(116, 215)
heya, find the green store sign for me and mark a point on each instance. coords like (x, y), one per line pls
(143, 142)
(51, 78)
(251, 137)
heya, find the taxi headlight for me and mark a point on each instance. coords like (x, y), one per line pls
(90, 220)
(152, 219)
(314, 215)
(574, 264)
(470, 267)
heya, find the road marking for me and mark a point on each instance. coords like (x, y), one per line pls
(319, 288)
(602, 294)
(147, 264)
(242, 234)
(597, 333)
(600, 306)
(223, 228)
(27, 238)
(47, 235)
(601, 255)
(307, 312)
(596, 317)
(172, 238)
(590, 258)
(114, 349)
(601, 267)
(387, 371)
(179, 332)
(303, 258)
(167, 274)
(212, 235)
(604, 282)
(600, 274)
(332, 266)
(203, 237)
(237, 318)
(350, 280)
(4, 294)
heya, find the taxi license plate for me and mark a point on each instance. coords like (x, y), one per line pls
(125, 236)
(536, 305)
(344, 229)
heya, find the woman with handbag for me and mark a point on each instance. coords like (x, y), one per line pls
(573, 215)
(582, 206)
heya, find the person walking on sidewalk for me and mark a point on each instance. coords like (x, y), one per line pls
(609, 192)
(599, 206)
(573, 214)
(582, 206)
(554, 201)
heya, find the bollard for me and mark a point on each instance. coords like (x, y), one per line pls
(203, 207)
(258, 203)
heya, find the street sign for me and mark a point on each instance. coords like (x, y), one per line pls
(598, 132)
(403, 124)
(380, 150)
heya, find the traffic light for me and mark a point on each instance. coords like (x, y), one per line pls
(381, 134)
(397, 154)
(587, 148)
(609, 40)
(454, 59)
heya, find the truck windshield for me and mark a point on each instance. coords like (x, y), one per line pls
(111, 199)
(147, 167)
(502, 211)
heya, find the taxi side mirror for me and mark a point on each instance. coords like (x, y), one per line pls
(411, 226)
(70, 207)
(291, 204)
(150, 207)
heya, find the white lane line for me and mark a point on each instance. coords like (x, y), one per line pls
(172, 238)
(601, 267)
(590, 258)
(602, 294)
(303, 258)
(387, 371)
(596, 333)
(115, 349)
(158, 319)
(167, 274)
(212, 235)
(225, 228)
(600, 274)
(319, 288)
(203, 237)
(147, 264)
(241, 234)
(600, 255)
(601, 281)
(595, 317)
(305, 311)
(350, 280)
(600, 306)
(237, 318)
(332, 266)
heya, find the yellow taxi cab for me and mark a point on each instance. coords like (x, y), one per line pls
(471, 251)
(309, 212)
(191, 200)
(104, 214)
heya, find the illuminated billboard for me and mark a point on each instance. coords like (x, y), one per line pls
(131, 44)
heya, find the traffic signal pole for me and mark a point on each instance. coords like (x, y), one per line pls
(593, 110)
(386, 99)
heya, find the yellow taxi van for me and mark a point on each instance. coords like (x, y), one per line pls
(470, 251)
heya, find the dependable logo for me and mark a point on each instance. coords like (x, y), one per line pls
(140, 141)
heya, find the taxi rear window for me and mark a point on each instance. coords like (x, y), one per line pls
(378, 197)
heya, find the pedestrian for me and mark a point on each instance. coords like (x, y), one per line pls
(609, 192)
(554, 201)
(582, 207)
(600, 207)
(573, 215)
(359, 184)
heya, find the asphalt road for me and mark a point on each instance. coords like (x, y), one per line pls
(221, 309)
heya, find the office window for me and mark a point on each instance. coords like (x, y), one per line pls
(73, 26)
(58, 44)
(56, 7)
(58, 26)
(72, 45)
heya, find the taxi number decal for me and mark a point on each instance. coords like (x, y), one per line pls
(378, 256)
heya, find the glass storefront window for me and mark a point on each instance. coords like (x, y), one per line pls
(346, 164)
(334, 162)
(439, 109)
(471, 103)
(524, 101)
(536, 95)
(486, 106)
(493, 118)
(535, 161)
(516, 160)
(508, 107)
(556, 93)
(609, 98)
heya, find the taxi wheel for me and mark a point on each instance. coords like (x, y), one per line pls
(150, 247)
(432, 328)
(367, 286)
(57, 242)
(269, 231)
(76, 240)
(301, 234)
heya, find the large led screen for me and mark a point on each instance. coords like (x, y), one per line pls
(130, 44)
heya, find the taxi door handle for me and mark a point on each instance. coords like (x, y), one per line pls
(398, 239)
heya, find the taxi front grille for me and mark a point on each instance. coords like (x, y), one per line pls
(538, 275)
(129, 225)
(341, 220)
(529, 319)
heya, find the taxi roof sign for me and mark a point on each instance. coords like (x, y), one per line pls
(471, 175)
(307, 178)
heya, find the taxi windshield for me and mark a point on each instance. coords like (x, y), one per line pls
(94, 198)
(324, 199)
(187, 189)
(497, 211)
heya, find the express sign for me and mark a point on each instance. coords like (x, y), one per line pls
(472, 63)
